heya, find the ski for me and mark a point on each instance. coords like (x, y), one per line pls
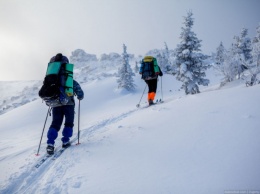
(41, 161)
(158, 101)
(56, 155)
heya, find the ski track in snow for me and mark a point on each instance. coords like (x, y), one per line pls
(29, 178)
(44, 179)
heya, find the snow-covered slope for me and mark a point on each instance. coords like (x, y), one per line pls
(17, 93)
(87, 68)
(204, 143)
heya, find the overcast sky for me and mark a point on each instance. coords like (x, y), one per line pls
(32, 31)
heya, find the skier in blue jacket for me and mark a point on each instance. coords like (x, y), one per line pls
(59, 111)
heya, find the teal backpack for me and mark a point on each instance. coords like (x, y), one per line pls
(58, 82)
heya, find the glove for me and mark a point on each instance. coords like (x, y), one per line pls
(80, 98)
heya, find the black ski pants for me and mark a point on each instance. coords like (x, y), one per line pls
(152, 85)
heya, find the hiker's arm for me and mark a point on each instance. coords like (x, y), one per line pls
(77, 90)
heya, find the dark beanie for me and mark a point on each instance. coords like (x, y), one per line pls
(58, 57)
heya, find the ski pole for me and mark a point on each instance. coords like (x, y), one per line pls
(43, 131)
(161, 89)
(78, 123)
(138, 105)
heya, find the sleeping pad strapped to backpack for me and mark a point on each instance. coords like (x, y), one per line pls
(58, 83)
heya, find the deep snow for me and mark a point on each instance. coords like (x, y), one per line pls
(203, 143)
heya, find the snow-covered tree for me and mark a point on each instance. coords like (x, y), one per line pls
(243, 54)
(220, 54)
(241, 49)
(219, 58)
(255, 67)
(229, 68)
(225, 64)
(125, 73)
(166, 64)
(235, 54)
(256, 48)
(190, 62)
(245, 46)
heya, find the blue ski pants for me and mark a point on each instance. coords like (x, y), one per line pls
(58, 114)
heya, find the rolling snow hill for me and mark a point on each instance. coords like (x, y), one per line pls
(204, 143)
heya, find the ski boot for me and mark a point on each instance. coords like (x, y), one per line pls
(151, 102)
(66, 145)
(50, 149)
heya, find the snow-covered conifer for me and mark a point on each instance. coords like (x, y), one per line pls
(225, 64)
(229, 68)
(241, 50)
(256, 48)
(219, 58)
(255, 67)
(166, 64)
(125, 73)
(189, 61)
(245, 45)
(229, 63)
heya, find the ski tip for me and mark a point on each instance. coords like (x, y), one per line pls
(37, 154)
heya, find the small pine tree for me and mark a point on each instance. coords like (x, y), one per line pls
(219, 58)
(220, 54)
(125, 73)
(190, 63)
(166, 64)
(245, 45)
